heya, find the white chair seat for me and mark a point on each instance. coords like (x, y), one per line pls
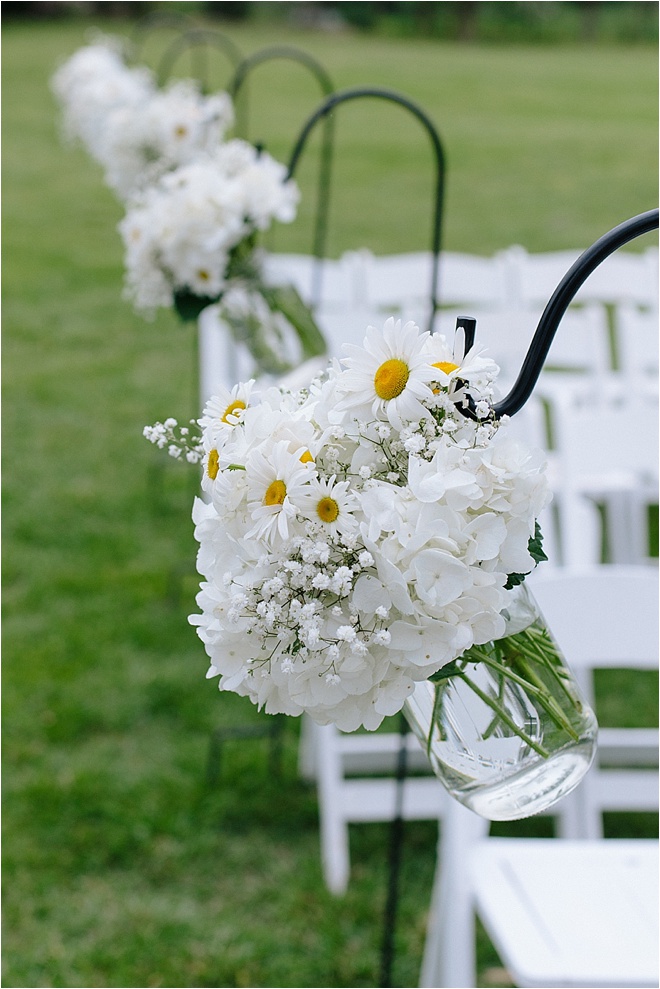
(565, 913)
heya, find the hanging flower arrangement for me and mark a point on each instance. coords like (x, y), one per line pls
(359, 536)
(191, 241)
(133, 129)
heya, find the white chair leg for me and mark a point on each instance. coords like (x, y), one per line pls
(334, 829)
(307, 748)
(450, 950)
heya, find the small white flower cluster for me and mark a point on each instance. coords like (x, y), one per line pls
(180, 233)
(181, 442)
(131, 128)
(357, 536)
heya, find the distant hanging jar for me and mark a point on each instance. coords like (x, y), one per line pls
(505, 726)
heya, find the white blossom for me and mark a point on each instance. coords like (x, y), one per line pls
(301, 613)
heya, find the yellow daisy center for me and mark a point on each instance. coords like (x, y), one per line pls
(446, 366)
(213, 466)
(203, 275)
(306, 458)
(327, 509)
(391, 378)
(232, 409)
(275, 493)
(180, 130)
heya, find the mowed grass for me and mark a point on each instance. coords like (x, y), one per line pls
(122, 866)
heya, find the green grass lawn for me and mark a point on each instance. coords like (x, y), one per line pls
(122, 866)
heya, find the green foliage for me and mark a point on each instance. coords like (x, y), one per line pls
(123, 867)
(536, 552)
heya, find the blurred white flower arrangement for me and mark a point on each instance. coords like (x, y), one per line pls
(195, 201)
(191, 240)
(134, 130)
(359, 536)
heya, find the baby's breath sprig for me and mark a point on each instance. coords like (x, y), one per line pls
(182, 442)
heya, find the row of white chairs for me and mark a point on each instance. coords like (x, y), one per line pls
(612, 325)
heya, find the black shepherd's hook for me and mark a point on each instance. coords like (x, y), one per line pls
(178, 21)
(557, 306)
(237, 86)
(385, 94)
(198, 39)
(288, 52)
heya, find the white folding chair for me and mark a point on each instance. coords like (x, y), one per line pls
(555, 909)
(356, 784)
(605, 453)
(575, 603)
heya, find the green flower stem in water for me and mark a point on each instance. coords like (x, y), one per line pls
(527, 658)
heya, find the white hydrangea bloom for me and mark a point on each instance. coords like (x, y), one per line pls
(134, 130)
(343, 562)
(179, 232)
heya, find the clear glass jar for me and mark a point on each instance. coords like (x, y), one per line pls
(506, 727)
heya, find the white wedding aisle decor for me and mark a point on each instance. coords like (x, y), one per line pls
(358, 536)
(363, 546)
(133, 129)
(195, 201)
(191, 241)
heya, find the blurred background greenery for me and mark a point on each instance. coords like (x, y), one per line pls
(122, 865)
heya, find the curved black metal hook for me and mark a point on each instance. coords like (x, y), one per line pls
(293, 54)
(561, 298)
(386, 94)
(276, 52)
(157, 19)
(198, 38)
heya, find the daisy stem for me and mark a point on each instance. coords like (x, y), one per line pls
(501, 713)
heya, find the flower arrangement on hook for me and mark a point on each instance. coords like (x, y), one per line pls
(363, 546)
(195, 202)
(132, 128)
(191, 241)
(358, 536)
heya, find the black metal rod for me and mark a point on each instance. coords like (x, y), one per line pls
(198, 38)
(560, 300)
(237, 86)
(153, 21)
(334, 101)
(288, 52)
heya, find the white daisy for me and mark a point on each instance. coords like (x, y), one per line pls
(277, 480)
(329, 504)
(388, 376)
(451, 367)
(225, 409)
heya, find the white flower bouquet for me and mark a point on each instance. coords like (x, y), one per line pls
(190, 241)
(359, 536)
(134, 130)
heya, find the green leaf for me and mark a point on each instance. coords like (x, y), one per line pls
(450, 670)
(535, 547)
(188, 305)
(285, 299)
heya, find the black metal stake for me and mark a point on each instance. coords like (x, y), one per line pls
(237, 86)
(559, 302)
(336, 100)
(395, 856)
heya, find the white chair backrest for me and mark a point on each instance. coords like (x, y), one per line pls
(602, 616)
(625, 276)
(638, 336)
(605, 617)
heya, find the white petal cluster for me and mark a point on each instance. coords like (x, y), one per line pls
(350, 547)
(134, 130)
(178, 233)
